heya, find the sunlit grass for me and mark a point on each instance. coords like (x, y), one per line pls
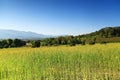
(89, 62)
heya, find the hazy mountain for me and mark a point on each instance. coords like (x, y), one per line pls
(12, 34)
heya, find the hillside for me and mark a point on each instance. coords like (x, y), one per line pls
(104, 35)
(107, 32)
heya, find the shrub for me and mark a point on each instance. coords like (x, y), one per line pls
(91, 42)
(36, 43)
(103, 42)
(72, 44)
(83, 43)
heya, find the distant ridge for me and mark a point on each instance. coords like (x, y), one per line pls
(106, 32)
(12, 34)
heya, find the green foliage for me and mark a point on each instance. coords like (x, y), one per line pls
(92, 41)
(103, 42)
(83, 42)
(1, 46)
(72, 44)
(36, 43)
(48, 41)
(4, 44)
(43, 43)
(18, 43)
(11, 43)
(108, 34)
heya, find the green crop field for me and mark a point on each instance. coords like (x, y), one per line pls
(89, 62)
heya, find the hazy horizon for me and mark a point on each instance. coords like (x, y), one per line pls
(58, 17)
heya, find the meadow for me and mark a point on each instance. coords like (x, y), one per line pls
(87, 62)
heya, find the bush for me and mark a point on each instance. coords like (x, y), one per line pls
(36, 43)
(91, 42)
(83, 43)
(103, 42)
(18, 43)
(72, 44)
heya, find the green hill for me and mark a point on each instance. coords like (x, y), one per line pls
(108, 34)
(104, 35)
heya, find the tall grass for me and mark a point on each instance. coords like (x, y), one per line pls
(89, 62)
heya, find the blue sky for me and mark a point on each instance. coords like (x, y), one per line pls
(57, 17)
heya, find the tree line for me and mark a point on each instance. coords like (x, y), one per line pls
(8, 43)
(105, 35)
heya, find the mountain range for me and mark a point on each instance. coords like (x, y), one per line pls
(12, 34)
(106, 32)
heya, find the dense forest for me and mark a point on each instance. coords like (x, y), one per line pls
(103, 36)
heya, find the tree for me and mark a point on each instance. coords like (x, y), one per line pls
(5, 44)
(18, 43)
(10, 41)
(92, 41)
(36, 43)
(83, 42)
(43, 43)
(1, 46)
